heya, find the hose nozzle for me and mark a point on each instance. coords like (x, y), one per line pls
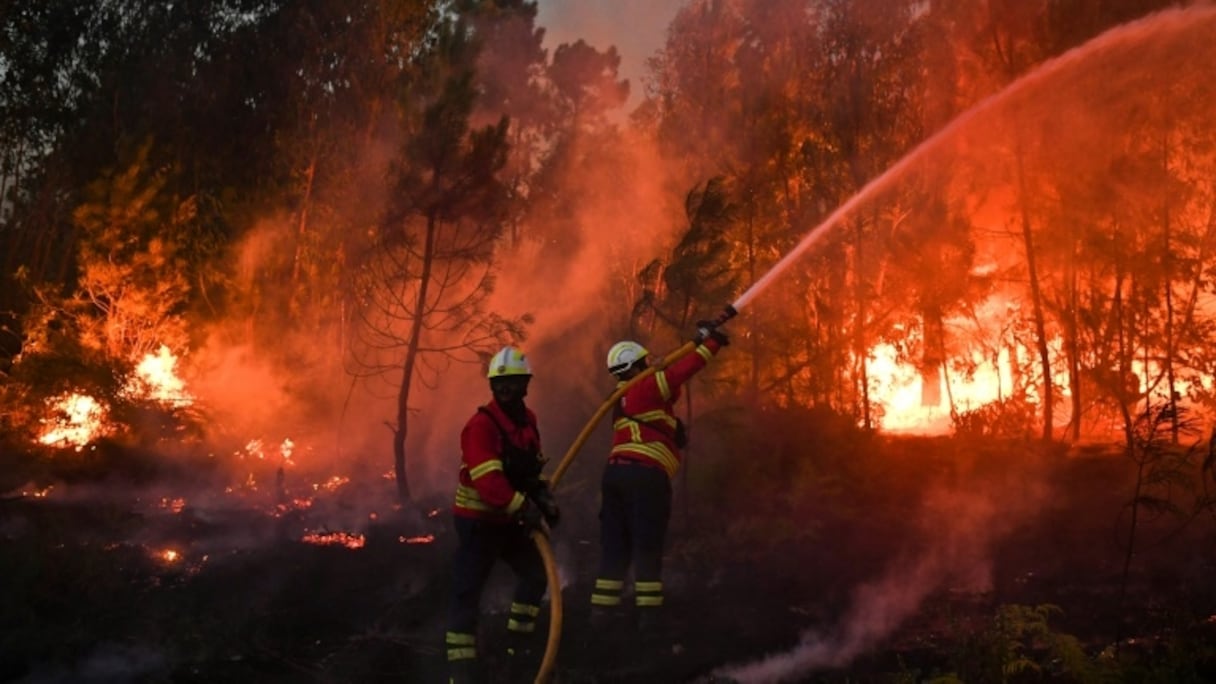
(728, 312)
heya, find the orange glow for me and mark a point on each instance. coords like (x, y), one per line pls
(423, 539)
(348, 539)
(256, 448)
(38, 493)
(169, 555)
(899, 388)
(76, 420)
(156, 379)
(174, 505)
(332, 484)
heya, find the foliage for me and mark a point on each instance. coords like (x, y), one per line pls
(699, 276)
(1009, 418)
(1168, 475)
(1019, 644)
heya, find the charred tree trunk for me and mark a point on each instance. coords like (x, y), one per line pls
(411, 356)
(1072, 344)
(859, 326)
(1036, 298)
(1168, 268)
(302, 228)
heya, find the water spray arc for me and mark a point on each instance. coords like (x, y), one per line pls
(1176, 20)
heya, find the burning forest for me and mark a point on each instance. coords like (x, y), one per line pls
(959, 423)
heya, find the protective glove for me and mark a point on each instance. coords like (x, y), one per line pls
(707, 331)
(544, 500)
(531, 517)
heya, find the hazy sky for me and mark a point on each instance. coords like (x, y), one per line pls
(636, 27)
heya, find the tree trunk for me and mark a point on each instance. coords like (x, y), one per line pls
(302, 228)
(411, 357)
(859, 328)
(1168, 264)
(1036, 298)
(1072, 344)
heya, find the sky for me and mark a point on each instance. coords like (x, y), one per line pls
(636, 27)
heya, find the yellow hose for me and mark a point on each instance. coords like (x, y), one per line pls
(555, 607)
(542, 542)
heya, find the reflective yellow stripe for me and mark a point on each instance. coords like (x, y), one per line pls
(514, 625)
(655, 450)
(609, 584)
(704, 352)
(462, 654)
(649, 600)
(648, 587)
(525, 609)
(601, 600)
(517, 502)
(664, 389)
(489, 466)
(460, 639)
(657, 416)
(467, 497)
(634, 428)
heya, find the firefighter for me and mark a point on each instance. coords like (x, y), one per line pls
(502, 497)
(636, 485)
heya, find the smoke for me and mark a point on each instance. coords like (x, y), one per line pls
(958, 531)
(107, 662)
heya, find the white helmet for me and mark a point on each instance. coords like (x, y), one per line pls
(624, 354)
(509, 361)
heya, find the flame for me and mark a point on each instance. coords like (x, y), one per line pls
(899, 387)
(174, 505)
(76, 420)
(37, 493)
(156, 378)
(169, 555)
(332, 484)
(422, 539)
(256, 448)
(348, 539)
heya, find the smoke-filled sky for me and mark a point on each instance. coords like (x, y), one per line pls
(635, 27)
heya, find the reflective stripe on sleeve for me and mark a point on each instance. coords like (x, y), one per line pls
(664, 388)
(517, 502)
(487, 467)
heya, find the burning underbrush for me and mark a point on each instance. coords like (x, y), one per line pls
(817, 555)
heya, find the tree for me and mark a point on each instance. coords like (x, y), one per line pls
(424, 286)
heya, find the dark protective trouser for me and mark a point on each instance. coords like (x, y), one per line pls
(481, 545)
(635, 508)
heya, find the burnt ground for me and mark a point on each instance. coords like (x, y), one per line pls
(920, 560)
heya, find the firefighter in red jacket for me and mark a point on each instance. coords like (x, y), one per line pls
(502, 497)
(636, 486)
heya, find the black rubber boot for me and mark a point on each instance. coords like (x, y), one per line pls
(524, 653)
(468, 671)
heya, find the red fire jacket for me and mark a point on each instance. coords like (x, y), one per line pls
(644, 422)
(484, 491)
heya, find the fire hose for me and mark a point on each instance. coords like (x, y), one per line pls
(542, 540)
